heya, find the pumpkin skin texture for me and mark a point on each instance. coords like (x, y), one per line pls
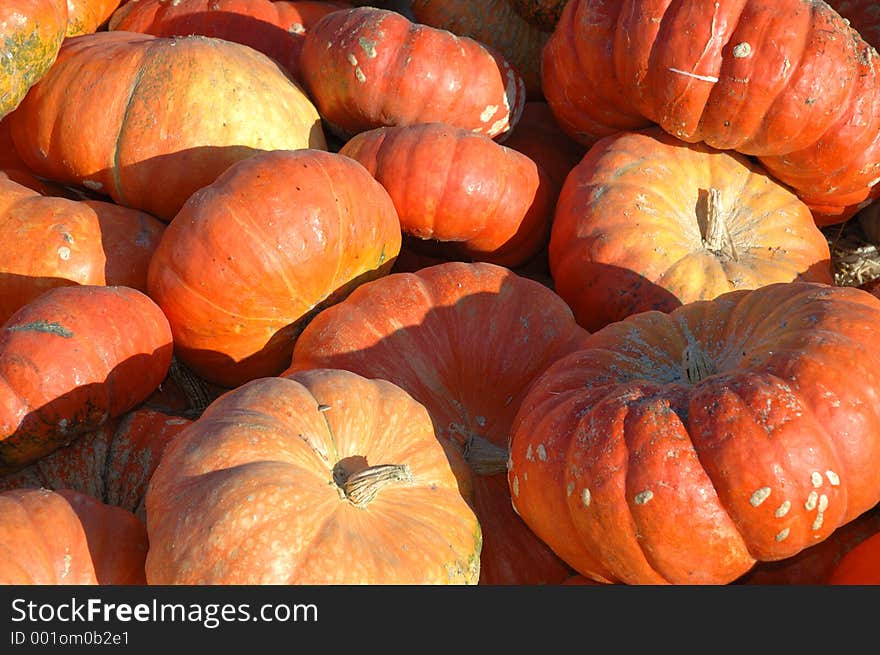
(251, 257)
(788, 82)
(167, 116)
(496, 24)
(116, 538)
(86, 16)
(685, 447)
(53, 241)
(368, 67)
(275, 28)
(463, 194)
(31, 32)
(42, 541)
(465, 340)
(859, 566)
(863, 15)
(72, 358)
(283, 479)
(646, 221)
(112, 463)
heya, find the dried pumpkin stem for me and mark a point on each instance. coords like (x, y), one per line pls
(194, 388)
(484, 457)
(716, 237)
(696, 364)
(361, 487)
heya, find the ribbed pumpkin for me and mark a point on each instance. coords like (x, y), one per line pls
(788, 82)
(369, 67)
(684, 447)
(86, 16)
(463, 194)
(112, 463)
(166, 116)
(646, 221)
(322, 477)
(253, 256)
(67, 538)
(49, 242)
(494, 23)
(465, 340)
(72, 358)
(31, 32)
(274, 27)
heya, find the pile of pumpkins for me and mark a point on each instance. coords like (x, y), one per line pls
(437, 292)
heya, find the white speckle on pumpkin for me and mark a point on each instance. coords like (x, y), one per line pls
(782, 510)
(816, 479)
(833, 478)
(297, 28)
(64, 253)
(643, 497)
(359, 74)
(368, 46)
(529, 455)
(68, 558)
(542, 452)
(94, 185)
(497, 126)
(515, 486)
(352, 59)
(820, 518)
(811, 501)
(759, 496)
(569, 489)
(488, 112)
(823, 503)
(782, 535)
(586, 497)
(741, 50)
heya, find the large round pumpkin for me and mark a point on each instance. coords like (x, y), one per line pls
(31, 32)
(646, 221)
(72, 358)
(50, 241)
(465, 340)
(684, 447)
(166, 116)
(322, 477)
(253, 256)
(368, 67)
(274, 27)
(789, 82)
(462, 194)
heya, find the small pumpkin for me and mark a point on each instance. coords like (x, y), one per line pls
(685, 447)
(465, 340)
(251, 257)
(368, 67)
(72, 358)
(646, 221)
(322, 477)
(166, 116)
(462, 194)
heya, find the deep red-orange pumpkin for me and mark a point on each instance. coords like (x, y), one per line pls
(31, 32)
(465, 340)
(462, 194)
(252, 256)
(788, 82)
(274, 27)
(321, 477)
(50, 242)
(368, 67)
(166, 116)
(86, 16)
(72, 358)
(684, 447)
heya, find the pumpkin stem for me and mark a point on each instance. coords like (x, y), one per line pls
(696, 364)
(361, 487)
(484, 457)
(194, 388)
(716, 237)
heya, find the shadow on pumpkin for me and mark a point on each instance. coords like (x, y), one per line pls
(72, 408)
(469, 364)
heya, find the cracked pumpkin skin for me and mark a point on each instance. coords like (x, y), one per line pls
(31, 32)
(682, 448)
(320, 477)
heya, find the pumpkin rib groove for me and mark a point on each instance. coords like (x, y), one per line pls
(123, 124)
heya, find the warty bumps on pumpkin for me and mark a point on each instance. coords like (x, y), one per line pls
(162, 117)
(788, 82)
